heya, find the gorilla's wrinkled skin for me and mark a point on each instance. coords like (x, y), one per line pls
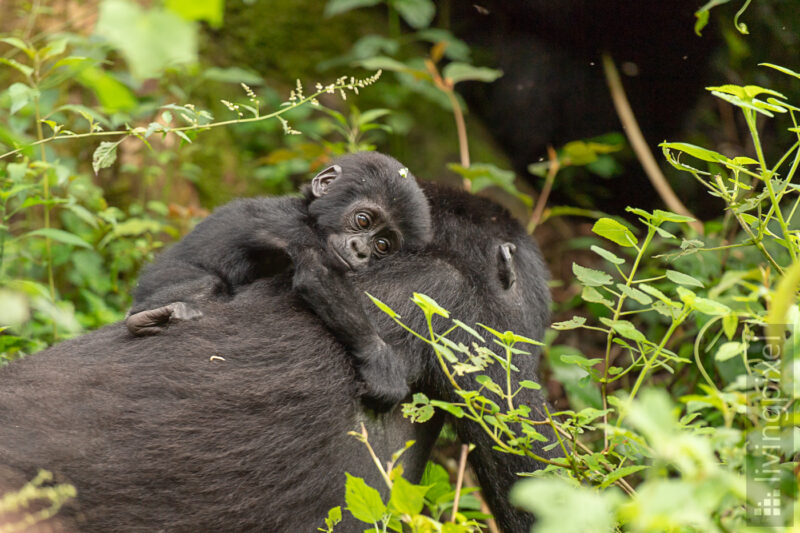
(238, 421)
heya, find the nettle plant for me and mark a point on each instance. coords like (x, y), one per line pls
(674, 318)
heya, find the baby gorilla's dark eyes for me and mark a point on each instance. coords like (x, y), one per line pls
(383, 245)
(363, 220)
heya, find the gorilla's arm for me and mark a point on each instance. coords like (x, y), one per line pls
(238, 243)
(337, 302)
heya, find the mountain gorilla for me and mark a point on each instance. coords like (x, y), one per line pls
(238, 421)
(362, 209)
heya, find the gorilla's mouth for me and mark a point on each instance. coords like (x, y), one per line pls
(342, 259)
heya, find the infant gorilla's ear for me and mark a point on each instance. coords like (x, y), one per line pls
(320, 183)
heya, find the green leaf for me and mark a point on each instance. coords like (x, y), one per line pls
(20, 95)
(528, 384)
(18, 43)
(483, 175)
(660, 216)
(710, 307)
(24, 69)
(363, 502)
(382, 306)
(625, 329)
(232, 75)
(781, 69)
(486, 381)
(58, 235)
(457, 72)
(407, 498)
(590, 277)
(635, 294)
(608, 256)
(113, 95)
(372, 115)
(429, 305)
(590, 294)
(384, 63)
(697, 151)
(454, 410)
(335, 7)
(729, 350)
(139, 34)
(615, 232)
(652, 291)
(574, 322)
(621, 473)
(417, 13)
(334, 517)
(683, 279)
(104, 155)
(209, 10)
(729, 325)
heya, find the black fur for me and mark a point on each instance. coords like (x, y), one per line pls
(253, 238)
(158, 433)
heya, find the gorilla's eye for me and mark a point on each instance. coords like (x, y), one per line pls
(363, 220)
(383, 246)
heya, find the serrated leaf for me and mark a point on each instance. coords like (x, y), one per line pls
(608, 256)
(105, 155)
(683, 279)
(615, 232)
(574, 322)
(590, 277)
(729, 350)
(363, 502)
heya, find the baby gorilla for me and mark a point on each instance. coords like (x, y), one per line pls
(363, 208)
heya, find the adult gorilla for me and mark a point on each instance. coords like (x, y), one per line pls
(238, 421)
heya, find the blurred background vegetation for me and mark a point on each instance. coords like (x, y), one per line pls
(541, 135)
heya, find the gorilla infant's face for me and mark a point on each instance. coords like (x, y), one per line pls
(365, 234)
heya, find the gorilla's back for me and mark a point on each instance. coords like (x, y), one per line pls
(191, 429)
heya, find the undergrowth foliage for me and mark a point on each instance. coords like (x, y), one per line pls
(680, 365)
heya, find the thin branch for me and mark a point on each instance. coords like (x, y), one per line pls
(462, 465)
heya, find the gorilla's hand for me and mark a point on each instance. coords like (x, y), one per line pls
(334, 299)
(154, 321)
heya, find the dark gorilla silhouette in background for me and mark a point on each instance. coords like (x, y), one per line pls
(238, 421)
(553, 89)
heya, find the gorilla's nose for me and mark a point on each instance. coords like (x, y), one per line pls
(359, 249)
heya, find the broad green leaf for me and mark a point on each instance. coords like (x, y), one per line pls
(18, 43)
(710, 307)
(581, 361)
(483, 175)
(363, 502)
(454, 410)
(652, 291)
(417, 13)
(382, 306)
(139, 34)
(608, 256)
(590, 277)
(113, 95)
(660, 216)
(58, 235)
(728, 350)
(578, 508)
(683, 279)
(372, 115)
(104, 155)
(209, 10)
(457, 72)
(20, 94)
(407, 498)
(335, 7)
(699, 152)
(486, 381)
(615, 232)
(574, 322)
